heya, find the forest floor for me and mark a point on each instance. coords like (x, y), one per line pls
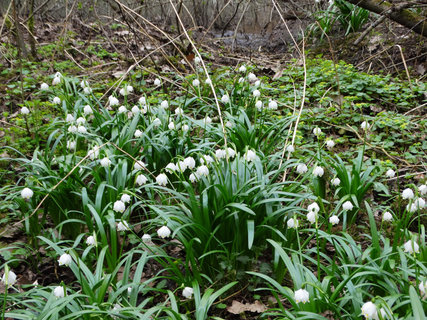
(105, 55)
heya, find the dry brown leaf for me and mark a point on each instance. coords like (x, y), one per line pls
(238, 307)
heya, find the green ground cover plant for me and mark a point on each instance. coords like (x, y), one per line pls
(159, 206)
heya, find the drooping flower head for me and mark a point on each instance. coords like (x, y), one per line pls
(302, 295)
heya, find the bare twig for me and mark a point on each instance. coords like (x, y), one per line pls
(206, 73)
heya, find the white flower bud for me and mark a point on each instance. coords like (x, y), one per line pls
(164, 232)
(65, 260)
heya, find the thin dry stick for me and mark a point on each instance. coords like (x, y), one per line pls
(302, 102)
(207, 75)
(406, 67)
(286, 26)
(412, 110)
(238, 24)
(152, 25)
(56, 186)
(216, 17)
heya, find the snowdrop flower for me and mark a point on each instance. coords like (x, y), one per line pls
(225, 99)
(146, 238)
(302, 168)
(56, 100)
(257, 83)
(231, 152)
(181, 166)
(142, 101)
(189, 162)
(250, 155)
(411, 247)
(138, 133)
(412, 207)
(187, 292)
(330, 144)
(93, 153)
(302, 295)
(87, 110)
(164, 104)
(202, 171)
(369, 310)
(69, 118)
(87, 90)
(27, 193)
(122, 226)
(196, 82)
(258, 105)
(171, 125)
(9, 278)
(139, 165)
(206, 159)
(113, 101)
(347, 205)
(71, 145)
(220, 154)
(122, 109)
(164, 232)
(390, 173)
(59, 292)
(334, 220)
(135, 110)
(84, 84)
(185, 128)
(335, 182)
(56, 80)
(65, 260)
(90, 241)
(157, 82)
(197, 60)
(80, 120)
(252, 77)
(317, 131)
(408, 194)
(242, 68)
(125, 198)
(141, 179)
(126, 90)
(290, 148)
(423, 287)
(365, 125)
(314, 207)
(387, 217)
(229, 124)
(105, 162)
(193, 178)
(256, 93)
(82, 129)
(72, 129)
(312, 216)
(171, 167)
(157, 122)
(272, 105)
(293, 223)
(162, 179)
(422, 189)
(207, 120)
(44, 87)
(179, 111)
(318, 171)
(208, 81)
(419, 203)
(119, 206)
(25, 110)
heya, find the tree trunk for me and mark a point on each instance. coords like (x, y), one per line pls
(397, 13)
